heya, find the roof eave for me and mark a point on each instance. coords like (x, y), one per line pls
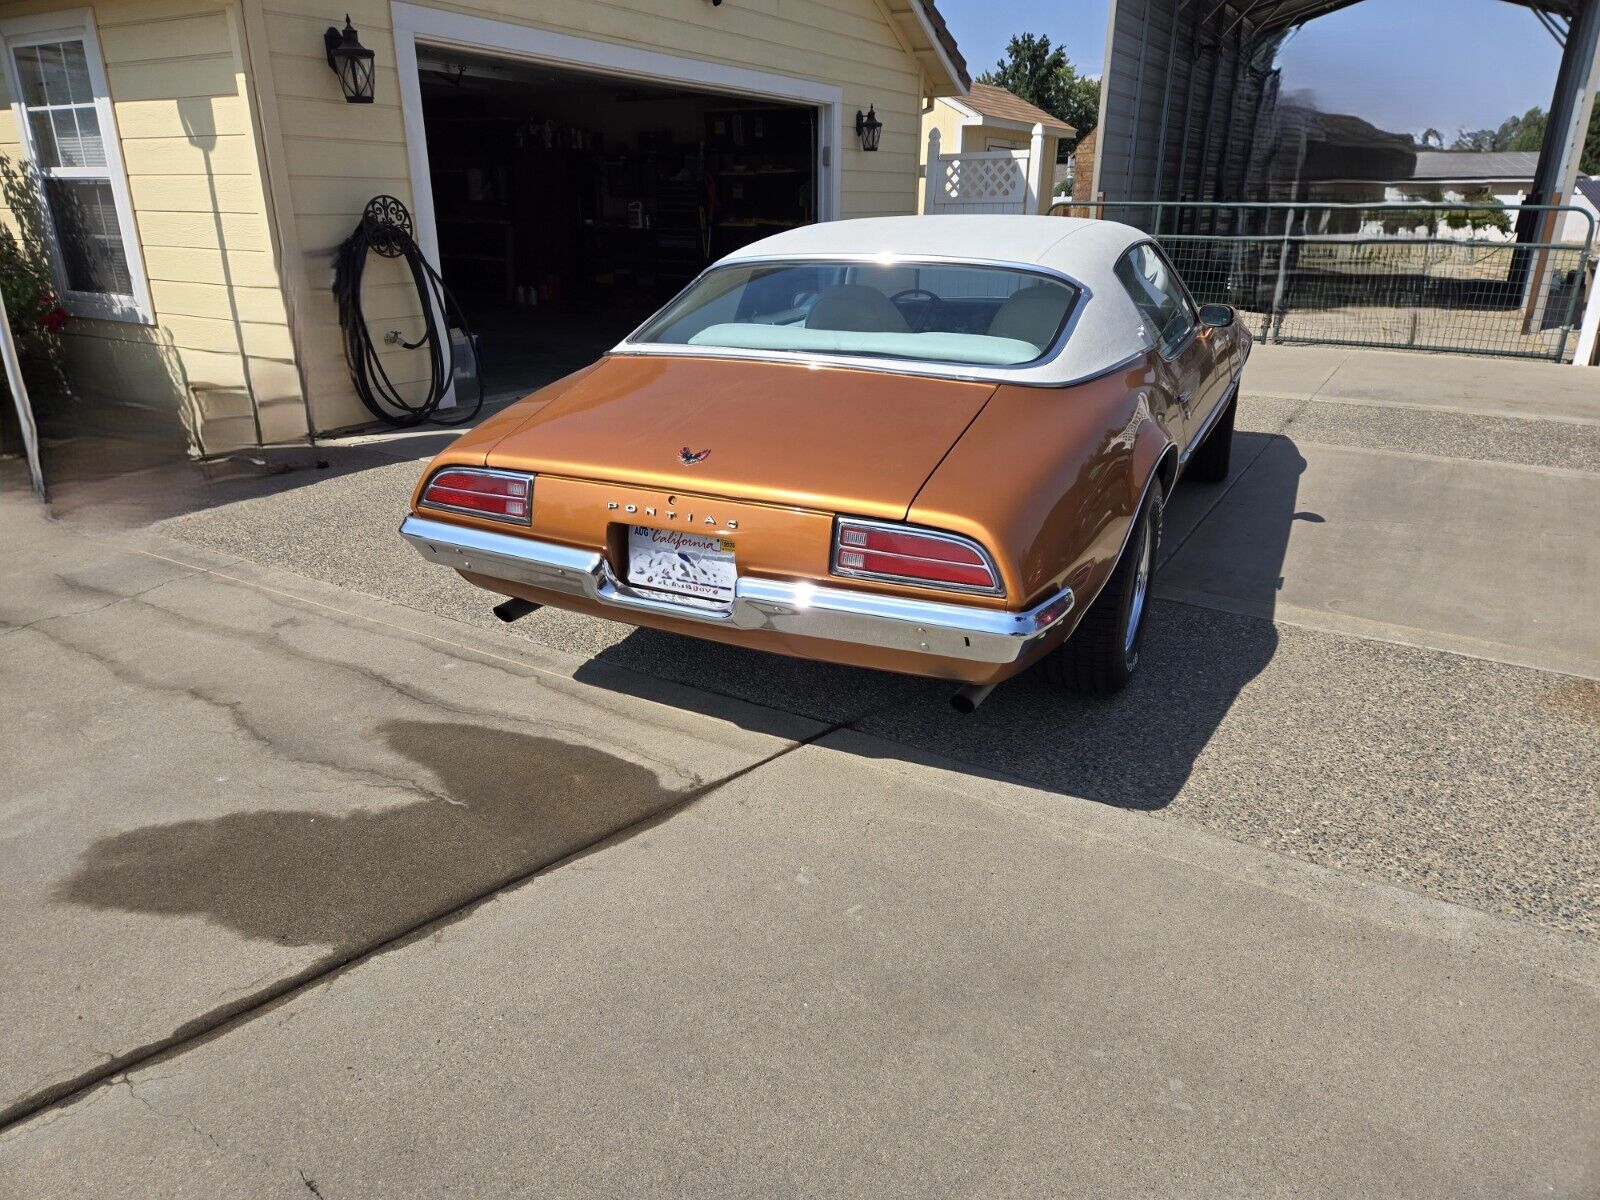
(932, 45)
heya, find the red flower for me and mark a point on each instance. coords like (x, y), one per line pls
(51, 315)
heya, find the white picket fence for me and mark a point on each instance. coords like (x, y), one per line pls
(989, 181)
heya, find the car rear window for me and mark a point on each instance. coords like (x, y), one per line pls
(927, 312)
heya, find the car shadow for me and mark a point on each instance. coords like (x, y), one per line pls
(497, 806)
(1135, 750)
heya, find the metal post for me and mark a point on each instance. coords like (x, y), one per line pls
(19, 398)
(1589, 334)
(1557, 153)
(1275, 313)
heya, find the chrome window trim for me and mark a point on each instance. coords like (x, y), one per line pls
(423, 502)
(973, 372)
(1194, 312)
(923, 531)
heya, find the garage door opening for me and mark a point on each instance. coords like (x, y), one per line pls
(569, 206)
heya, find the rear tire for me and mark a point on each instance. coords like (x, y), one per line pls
(1210, 462)
(1102, 654)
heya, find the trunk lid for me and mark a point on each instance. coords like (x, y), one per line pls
(829, 438)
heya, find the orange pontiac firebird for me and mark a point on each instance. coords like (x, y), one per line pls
(935, 445)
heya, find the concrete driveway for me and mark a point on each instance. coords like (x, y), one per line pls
(320, 882)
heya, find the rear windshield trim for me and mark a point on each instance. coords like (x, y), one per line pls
(922, 366)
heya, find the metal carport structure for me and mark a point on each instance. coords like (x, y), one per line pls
(1187, 85)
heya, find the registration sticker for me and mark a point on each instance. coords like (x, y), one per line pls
(686, 564)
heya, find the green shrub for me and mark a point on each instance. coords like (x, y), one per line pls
(36, 316)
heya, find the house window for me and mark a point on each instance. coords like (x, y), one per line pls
(59, 94)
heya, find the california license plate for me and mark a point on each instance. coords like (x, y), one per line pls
(684, 564)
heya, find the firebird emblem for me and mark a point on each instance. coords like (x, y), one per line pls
(689, 457)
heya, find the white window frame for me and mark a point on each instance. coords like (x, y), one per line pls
(78, 25)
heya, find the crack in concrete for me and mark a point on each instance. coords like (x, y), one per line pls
(73, 585)
(432, 700)
(179, 1117)
(235, 710)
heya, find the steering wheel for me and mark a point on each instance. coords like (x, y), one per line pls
(927, 312)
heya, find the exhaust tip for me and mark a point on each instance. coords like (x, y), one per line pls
(514, 609)
(965, 700)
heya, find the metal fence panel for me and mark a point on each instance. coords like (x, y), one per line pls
(1400, 276)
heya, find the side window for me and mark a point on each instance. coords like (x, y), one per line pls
(1157, 294)
(58, 89)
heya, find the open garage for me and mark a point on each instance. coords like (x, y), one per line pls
(569, 206)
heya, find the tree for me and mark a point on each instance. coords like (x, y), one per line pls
(1515, 133)
(1044, 77)
(1527, 133)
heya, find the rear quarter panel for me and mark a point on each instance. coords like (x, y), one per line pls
(1050, 479)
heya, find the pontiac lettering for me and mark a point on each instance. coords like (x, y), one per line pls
(671, 514)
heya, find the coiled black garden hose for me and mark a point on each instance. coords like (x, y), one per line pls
(385, 230)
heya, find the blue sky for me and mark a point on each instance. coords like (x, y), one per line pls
(1402, 64)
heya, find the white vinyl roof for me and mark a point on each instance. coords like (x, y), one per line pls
(1060, 243)
(1104, 330)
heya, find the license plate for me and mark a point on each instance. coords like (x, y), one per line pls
(684, 564)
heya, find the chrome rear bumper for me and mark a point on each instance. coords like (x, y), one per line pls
(800, 609)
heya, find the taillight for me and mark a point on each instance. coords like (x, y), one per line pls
(905, 554)
(500, 495)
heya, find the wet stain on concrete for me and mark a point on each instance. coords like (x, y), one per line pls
(502, 804)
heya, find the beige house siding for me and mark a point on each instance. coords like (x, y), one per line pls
(246, 169)
(338, 156)
(177, 81)
(948, 122)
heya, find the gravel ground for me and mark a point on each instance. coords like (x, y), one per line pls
(1471, 781)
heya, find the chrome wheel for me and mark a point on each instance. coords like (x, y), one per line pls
(1141, 585)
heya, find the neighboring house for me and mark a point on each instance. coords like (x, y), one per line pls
(988, 119)
(570, 162)
(1459, 174)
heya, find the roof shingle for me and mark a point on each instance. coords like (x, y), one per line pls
(990, 101)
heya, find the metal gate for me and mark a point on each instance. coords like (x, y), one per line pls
(1411, 276)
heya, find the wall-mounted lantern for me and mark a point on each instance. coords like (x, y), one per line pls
(351, 62)
(868, 128)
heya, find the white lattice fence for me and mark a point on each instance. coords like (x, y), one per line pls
(989, 181)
